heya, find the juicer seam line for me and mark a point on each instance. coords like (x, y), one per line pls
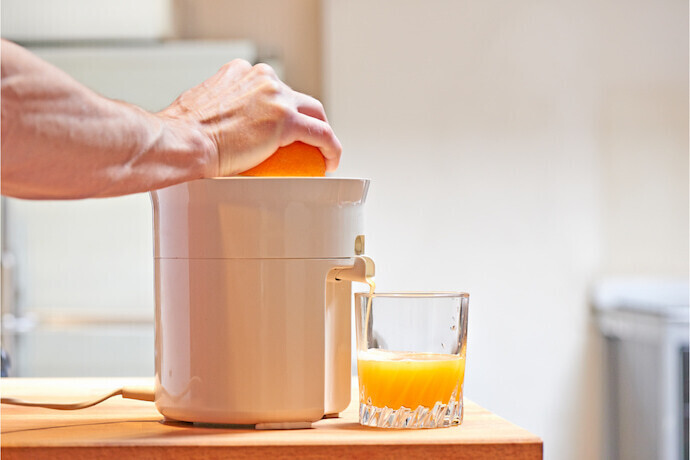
(254, 258)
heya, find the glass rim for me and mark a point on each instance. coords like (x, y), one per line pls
(415, 294)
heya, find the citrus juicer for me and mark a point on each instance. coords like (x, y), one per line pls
(253, 295)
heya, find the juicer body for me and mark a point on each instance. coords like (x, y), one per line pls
(250, 327)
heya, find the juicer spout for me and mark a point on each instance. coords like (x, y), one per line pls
(362, 271)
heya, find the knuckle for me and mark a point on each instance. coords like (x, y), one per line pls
(277, 114)
(317, 103)
(322, 130)
(236, 63)
(328, 131)
(240, 62)
(270, 87)
(282, 112)
(263, 69)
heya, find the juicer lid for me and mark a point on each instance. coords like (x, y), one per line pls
(259, 217)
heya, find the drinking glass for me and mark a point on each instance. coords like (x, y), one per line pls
(411, 349)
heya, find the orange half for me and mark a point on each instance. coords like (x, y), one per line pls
(296, 159)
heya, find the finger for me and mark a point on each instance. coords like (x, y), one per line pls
(314, 132)
(235, 70)
(261, 76)
(264, 69)
(310, 106)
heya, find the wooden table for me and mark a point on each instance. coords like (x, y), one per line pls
(127, 429)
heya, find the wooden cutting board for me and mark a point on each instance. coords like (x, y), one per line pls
(127, 429)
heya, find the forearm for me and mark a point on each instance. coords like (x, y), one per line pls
(61, 140)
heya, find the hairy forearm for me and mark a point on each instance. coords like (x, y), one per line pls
(61, 140)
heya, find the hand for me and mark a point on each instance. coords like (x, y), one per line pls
(248, 113)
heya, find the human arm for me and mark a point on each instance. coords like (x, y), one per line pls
(62, 140)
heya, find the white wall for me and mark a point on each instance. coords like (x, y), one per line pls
(479, 124)
(643, 129)
(286, 31)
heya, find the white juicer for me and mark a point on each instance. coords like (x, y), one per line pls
(253, 294)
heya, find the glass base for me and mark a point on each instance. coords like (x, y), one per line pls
(440, 416)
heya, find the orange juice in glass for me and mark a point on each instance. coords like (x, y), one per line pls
(411, 351)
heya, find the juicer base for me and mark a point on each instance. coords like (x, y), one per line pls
(283, 425)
